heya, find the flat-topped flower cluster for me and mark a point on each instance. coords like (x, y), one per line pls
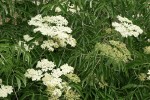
(114, 50)
(5, 90)
(126, 28)
(52, 78)
(54, 30)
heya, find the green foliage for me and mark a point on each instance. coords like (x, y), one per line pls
(101, 78)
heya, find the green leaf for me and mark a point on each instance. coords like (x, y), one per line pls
(128, 86)
(18, 83)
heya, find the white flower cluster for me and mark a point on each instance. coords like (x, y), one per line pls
(148, 40)
(126, 27)
(50, 45)
(148, 78)
(146, 50)
(66, 69)
(39, 2)
(51, 76)
(55, 29)
(24, 43)
(70, 7)
(114, 50)
(35, 75)
(57, 92)
(45, 65)
(142, 76)
(27, 38)
(5, 90)
(138, 15)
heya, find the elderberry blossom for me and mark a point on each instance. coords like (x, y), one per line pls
(66, 69)
(45, 65)
(115, 50)
(35, 75)
(5, 90)
(147, 50)
(57, 92)
(27, 38)
(126, 28)
(49, 80)
(148, 78)
(55, 29)
(50, 45)
(56, 73)
(55, 79)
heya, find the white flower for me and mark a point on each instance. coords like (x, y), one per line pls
(126, 28)
(27, 37)
(58, 20)
(56, 73)
(148, 40)
(3, 93)
(35, 75)
(62, 36)
(148, 72)
(5, 90)
(57, 9)
(115, 24)
(9, 89)
(50, 45)
(62, 42)
(46, 79)
(66, 69)
(68, 88)
(55, 28)
(148, 78)
(36, 43)
(45, 31)
(38, 2)
(49, 80)
(72, 8)
(60, 86)
(36, 21)
(57, 93)
(123, 19)
(71, 41)
(45, 65)
(56, 81)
